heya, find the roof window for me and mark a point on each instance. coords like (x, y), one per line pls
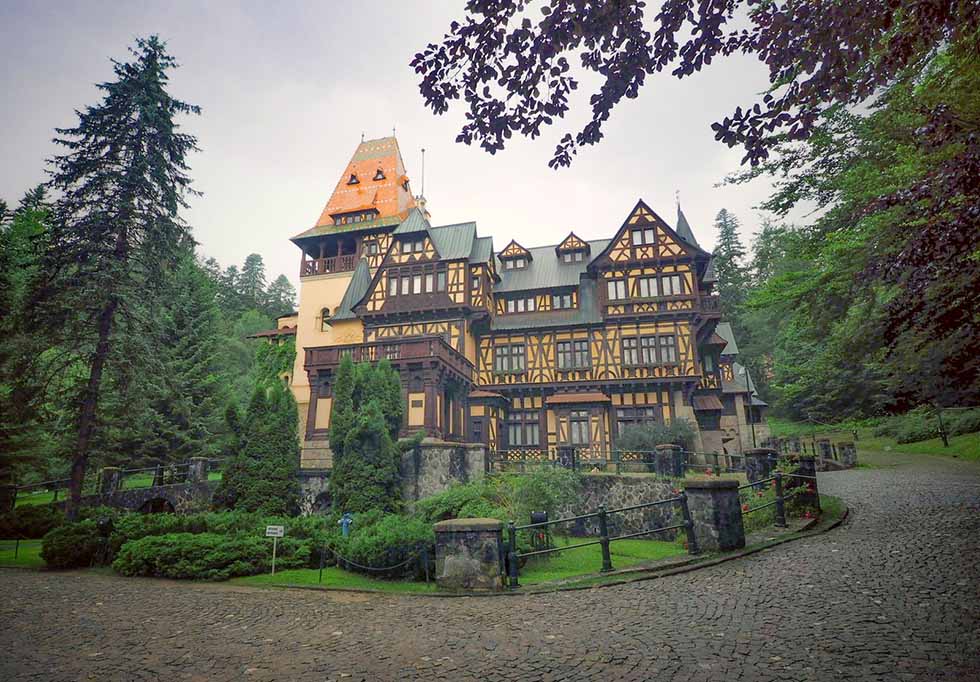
(353, 180)
(380, 175)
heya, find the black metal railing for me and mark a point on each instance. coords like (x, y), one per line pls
(781, 496)
(616, 461)
(604, 540)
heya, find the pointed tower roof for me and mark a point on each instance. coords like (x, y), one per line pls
(374, 182)
(683, 228)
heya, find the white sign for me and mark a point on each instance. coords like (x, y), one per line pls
(275, 531)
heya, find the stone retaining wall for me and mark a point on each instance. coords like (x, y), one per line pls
(622, 491)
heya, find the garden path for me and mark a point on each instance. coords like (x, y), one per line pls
(894, 594)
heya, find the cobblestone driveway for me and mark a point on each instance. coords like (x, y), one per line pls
(892, 595)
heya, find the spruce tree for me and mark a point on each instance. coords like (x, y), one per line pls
(115, 229)
(251, 283)
(728, 256)
(367, 477)
(342, 407)
(280, 297)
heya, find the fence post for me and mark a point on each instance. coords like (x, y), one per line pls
(8, 498)
(512, 555)
(692, 540)
(618, 458)
(604, 540)
(780, 502)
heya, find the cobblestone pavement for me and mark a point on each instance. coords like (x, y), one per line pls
(894, 594)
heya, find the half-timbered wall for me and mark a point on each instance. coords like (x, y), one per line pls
(639, 281)
(453, 331)
(543, 301)
(398, 256)
(606, 355)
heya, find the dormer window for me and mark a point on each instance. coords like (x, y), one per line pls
(414, 246)
(572, 257)
(515, 263)
(353, 179)
(380, 175)
(514, 257)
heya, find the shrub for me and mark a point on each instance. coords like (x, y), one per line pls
(74, 545)
(388, 540)
(959, 423)
(547, 489)
(646, 437)
(450, 503)
(367, 476)
(30, 521)
(206, 556)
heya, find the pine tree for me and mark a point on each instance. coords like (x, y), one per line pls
(115, 228)
(728, 256)
(280, 297)
(367, 476)
(342, 407)
(251, 283)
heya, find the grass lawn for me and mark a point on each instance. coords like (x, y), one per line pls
(28, 555)
(575, 562)
(135, 481)
(41, 497)
(333, 577)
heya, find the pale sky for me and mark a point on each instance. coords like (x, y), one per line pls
(287, 88)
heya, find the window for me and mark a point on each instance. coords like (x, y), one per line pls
(371, 248)
(475, 282)
(616, 289)
(515, 263)
(635, 416)
(523, 429)
(631, 355)
(380, 175)
(440, 280)
(508, 358)
(578, 423)
(647, 287)
(562, 301)
(573, 354)
(429, 282)
(644, 236)
(414, 246)
(521, 305)
(417, 279)
(668, 350)
(708, 420)
(670, 285)
(709, 362)
(392, 285)
(406, 283)
(579, 256)
(353, 179)
(417, 284)
(567, 257)
(325, 320)
(572, 256)
(648, 350)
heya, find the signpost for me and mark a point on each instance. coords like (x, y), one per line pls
(274, 532)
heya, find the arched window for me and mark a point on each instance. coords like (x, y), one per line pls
(325, 320)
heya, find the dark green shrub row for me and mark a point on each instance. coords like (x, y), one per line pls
(73, 545)
(383, 541)
(206, 556)
(30, 521)
(923, 424)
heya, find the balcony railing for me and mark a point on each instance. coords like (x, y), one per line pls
(711, 304)
(323, 266)
(397, 351)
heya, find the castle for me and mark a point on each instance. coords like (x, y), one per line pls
(527, 349)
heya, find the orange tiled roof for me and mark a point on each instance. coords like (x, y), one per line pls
(387, 196)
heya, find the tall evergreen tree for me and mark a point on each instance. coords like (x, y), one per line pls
(728, 258)
(115, 228)
(251, 284)
(280, 297)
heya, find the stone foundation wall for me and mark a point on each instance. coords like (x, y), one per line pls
(435, 465)
(316, 454)
(314, 495)
(622, 491)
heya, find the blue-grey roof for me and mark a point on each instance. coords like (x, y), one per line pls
(545, 270)
(724, 330)
(684, 230)
(482, 250)
(360, 281)
(453, 241)
(415, 222)
(586, 313)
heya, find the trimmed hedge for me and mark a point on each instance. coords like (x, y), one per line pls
(30, 521)
(206, 556)
(383, 541)
(71, 546)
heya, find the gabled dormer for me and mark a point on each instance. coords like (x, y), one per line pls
(411, 240)
(573, 250)
(645, 236)
(514, 256)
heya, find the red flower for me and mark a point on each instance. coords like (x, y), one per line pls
(745, 507)
(708, 471)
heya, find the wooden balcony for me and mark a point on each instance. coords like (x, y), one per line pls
(711, 304)
(323, 266)
(431, 350)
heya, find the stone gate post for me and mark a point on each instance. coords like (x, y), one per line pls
(759, 463)
(470, 554)
(716, 513)
(848, 453)
(670, 460)
(197, 469)
(109, 480)
(824, 450)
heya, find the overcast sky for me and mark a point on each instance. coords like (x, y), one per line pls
(287, 88)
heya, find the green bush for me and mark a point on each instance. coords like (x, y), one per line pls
(959, 423)
(548, 489)
(385, 541)
(30, 521)
(207, 556)
(73, 545)
(450, 503)
(646, 437)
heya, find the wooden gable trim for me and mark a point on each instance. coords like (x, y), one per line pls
(643, 215)
(573, 243)
(514, 250)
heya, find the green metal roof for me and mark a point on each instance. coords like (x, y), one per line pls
(453, 241)
(482, 250)
(545, 270)
(724, 330)
(587, 313)
(321, 230)
(415, 222)
(358, 286)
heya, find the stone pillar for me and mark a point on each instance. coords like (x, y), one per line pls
(716, 513)
(848, 453)
(197, 469)
(109, 480)
(823, 449)
(670, 461)
(807, 494)
(470, 554)
(759, 463)
(8, 498)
